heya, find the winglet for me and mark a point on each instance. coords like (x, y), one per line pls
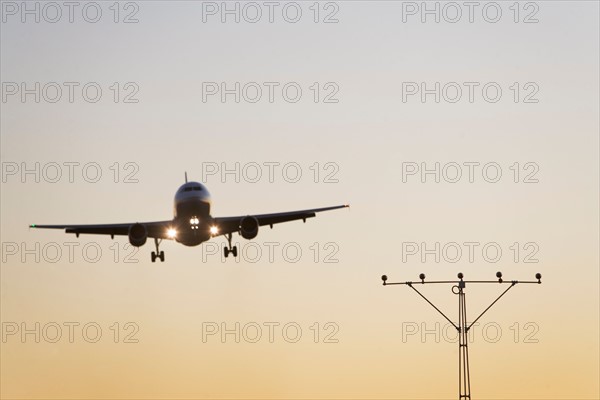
(186, 177)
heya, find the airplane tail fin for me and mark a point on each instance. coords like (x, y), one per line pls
(186, 177)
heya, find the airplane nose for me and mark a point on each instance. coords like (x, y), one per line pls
(204, 197)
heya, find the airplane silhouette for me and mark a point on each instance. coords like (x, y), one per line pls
(192, 223)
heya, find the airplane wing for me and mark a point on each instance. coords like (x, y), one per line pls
(159, 229)
(155, 229)
(232, 224)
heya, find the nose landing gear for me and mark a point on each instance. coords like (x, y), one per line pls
(157, 254)
(229, 249)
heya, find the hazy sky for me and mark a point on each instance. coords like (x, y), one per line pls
(349, 102)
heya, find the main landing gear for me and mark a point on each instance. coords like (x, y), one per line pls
(227, 250)
(158, 254)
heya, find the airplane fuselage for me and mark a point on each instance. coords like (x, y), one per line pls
(191, 214)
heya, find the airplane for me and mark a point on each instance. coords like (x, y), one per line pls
(192, 223)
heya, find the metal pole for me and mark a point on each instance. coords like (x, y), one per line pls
(464, 378)
(463, 348)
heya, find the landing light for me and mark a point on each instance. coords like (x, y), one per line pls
(214, 230)
(171, 233)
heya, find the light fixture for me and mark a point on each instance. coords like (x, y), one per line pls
(214, 230)
(171, 233)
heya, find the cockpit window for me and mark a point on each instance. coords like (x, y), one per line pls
(198, 188)
(190, 188)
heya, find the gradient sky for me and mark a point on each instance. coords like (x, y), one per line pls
(368, 134)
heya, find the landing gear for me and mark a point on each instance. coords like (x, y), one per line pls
(160, 255)
(229, 249)
(233, 251)
(157, 254)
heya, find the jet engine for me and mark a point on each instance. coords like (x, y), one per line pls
(137, 235)
(249, 227)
